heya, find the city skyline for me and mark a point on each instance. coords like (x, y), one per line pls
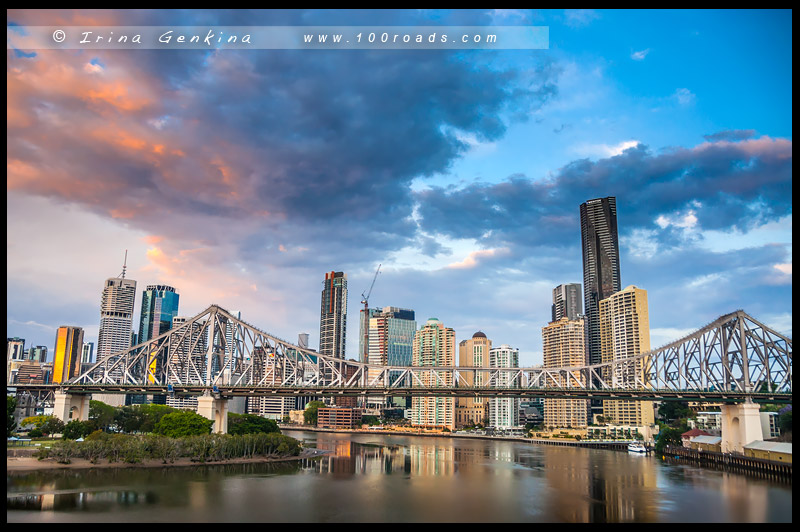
(469, 203)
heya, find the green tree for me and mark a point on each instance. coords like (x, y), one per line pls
(668, 436)
(101, 415)
(250, 424)
(785, 422)
(310, 414)
(674, 410)
(370, 420)
(11, 406)
(76, 429)
(183, 423)
(52, 425)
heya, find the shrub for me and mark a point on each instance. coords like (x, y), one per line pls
(183, 423)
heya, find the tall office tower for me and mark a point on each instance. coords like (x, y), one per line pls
(625, 333)
(390, 341)
(15, 349)
(564, 345)
(87, 354)
(68, 352)
(116, 317)
(232, 339)
(159, 306)
(601, 272)
(504, 412)
(333, 315)
(434, 345)
(15, 355)
(567, 302)
(38, 354)
(302, 340)
(473, 353)
(363, 332)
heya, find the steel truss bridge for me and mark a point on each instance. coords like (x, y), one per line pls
(732, 359)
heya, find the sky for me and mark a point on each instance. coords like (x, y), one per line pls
(241, 176)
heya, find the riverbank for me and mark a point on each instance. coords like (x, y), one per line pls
(27, 464)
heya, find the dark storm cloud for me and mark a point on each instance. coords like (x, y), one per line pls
(725, 185)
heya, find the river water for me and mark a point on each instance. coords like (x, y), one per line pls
(379, 478)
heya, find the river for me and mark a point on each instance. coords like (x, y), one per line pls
(380, 478)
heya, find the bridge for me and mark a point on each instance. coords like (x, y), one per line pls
(215, 356)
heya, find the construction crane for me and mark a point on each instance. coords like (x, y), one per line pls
(365, 300)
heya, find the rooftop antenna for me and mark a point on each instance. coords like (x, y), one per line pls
(124, 265)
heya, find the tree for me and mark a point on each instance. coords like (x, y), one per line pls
(183, 423)
(785, 422)
(370, 420)
(101, 415)
(52, 425)
(11, 406)
(310, 414)
(76, 429)
(674, 410)
(250, 424)
(668, 436)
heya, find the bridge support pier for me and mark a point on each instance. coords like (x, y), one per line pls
(741, 424)
(216, 410)
(69, 407)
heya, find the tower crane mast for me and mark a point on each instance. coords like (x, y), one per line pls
(365, 300)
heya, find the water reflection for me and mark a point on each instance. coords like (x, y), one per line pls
(406, 479)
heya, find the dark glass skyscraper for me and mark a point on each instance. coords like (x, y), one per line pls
(567, 302)
(601, 277)
(333, 315)
(159, 306)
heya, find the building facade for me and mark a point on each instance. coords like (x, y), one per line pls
(564, 345)
(504, 412)
(333, 315)
(159, 306)
(68, 353)
(390, 343)
(473, 352)
(567, 302)
(434, 345)
(601, 272)
(39, 353)
(116, 317)
(624, 333)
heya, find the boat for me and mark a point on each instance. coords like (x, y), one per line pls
(637, 447)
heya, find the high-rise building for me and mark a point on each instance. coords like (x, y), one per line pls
(390, 341)
(333, 315)
(159, 306)
(363, 332)
(38, 354)
(625, 333)
(302, 340)
(434, 345)
(15, 348)
(504, 412)
(87, 353)
(116, 317)
(601, 271)
(473, 352)
(68, 352)
(567, 301)
(563, 343)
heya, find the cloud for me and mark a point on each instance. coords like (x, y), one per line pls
(684, 96)
(474, 258)
(731, 135)
(579, 18)
(640, 55)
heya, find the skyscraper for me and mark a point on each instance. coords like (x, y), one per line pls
(567, 302)
(333, 315)
(159, 306)
(473, 352)
(563, 343)
(601, 272)
(625, 333)
(504, 412)
(87, 355)
(434, 345)
(68, 352)
(390, 341)
(116, 317)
